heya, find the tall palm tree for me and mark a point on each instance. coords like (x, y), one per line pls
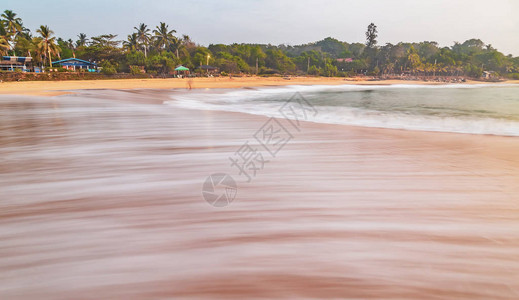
(13, 23)
(175, 45)
(47, 45)
(132, 43)
(82, 40)
(163, 36)
(143, 36)
(35, 51)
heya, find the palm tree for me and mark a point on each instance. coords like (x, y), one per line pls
(82, 40)
(47, 45)
(163, 36)
(132, 43)
(2, 28)
(176, 45)
(4, 44)
(143, 36)
(184, 42)
(26, 33)
(13, 24)
(4, 39)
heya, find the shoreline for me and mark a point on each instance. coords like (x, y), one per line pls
(55, 88)
(370, 199)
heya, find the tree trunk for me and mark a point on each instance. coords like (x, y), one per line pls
(50, 62)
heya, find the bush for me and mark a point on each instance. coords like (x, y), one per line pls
(135, 70)
(473, 71)
(314, 71)
(136, 58)
(513, 76)
(330, 70)
(108, 68)
(108, 71)
(267, 71)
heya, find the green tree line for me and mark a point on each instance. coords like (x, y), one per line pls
(159, 49)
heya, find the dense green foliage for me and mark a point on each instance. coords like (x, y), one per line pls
(158, 51)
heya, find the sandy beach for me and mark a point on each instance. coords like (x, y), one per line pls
(229, 150)
(102, 199)
(53, 88)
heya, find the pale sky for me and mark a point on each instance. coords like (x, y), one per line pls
(290, 22)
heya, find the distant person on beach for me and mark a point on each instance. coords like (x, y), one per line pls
(189, 83)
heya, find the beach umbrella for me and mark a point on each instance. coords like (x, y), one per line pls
(181, 68)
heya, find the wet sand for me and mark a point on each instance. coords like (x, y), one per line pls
(101, 199)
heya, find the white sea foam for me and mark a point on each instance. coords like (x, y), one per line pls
(448, 109)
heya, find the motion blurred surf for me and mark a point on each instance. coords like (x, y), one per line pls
(474, 109)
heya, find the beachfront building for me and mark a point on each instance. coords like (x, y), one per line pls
(488, 74)
(76, 64)
(12, 63)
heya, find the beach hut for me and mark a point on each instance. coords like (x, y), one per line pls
(181, 70)
(12, 63)
(76, 64)
(488, 74)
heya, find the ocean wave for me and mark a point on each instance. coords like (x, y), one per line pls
(428, 116)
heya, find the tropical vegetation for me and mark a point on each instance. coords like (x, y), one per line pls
(158, 50)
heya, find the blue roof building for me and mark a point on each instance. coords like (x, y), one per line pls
(76, 63)
(10, 63)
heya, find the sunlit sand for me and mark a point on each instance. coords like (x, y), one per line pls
(52, 88)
